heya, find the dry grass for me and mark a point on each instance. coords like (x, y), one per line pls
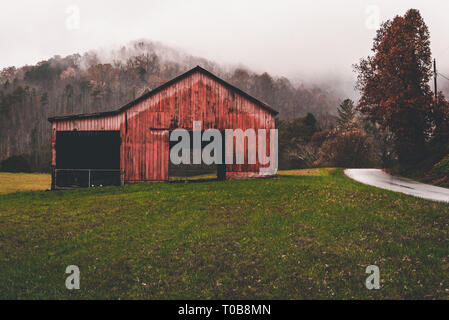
(317, 172)
(195, 178)
(15, 182)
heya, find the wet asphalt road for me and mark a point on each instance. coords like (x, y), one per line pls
(381, 179)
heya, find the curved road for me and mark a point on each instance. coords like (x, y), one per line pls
(381, 179)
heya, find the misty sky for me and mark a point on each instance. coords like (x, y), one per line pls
(297, 39)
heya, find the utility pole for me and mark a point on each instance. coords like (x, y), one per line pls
(435, 74)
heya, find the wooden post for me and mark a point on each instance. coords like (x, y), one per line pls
(53, 178)
(53, 156)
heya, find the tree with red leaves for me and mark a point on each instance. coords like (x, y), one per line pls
(394, 84)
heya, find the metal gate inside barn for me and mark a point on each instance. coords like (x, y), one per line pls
(87, 158)
(199, 171)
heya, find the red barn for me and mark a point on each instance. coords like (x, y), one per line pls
(132, 144)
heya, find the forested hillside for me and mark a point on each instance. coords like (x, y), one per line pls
(98, 81)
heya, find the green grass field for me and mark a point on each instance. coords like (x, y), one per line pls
(306, 234)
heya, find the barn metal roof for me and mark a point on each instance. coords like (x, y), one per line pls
(165, 85)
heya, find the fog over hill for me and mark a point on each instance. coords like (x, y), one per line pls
(107, 78)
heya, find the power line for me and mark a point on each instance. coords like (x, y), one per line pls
(442, 75)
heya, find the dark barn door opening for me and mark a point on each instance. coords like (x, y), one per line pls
(87, 158)
(182, 172)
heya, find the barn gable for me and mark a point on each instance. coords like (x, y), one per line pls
(170, 88)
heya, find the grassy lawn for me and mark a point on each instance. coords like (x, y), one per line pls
(307, 234)
(13, 182)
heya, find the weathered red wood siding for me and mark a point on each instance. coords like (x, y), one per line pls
(145, 126)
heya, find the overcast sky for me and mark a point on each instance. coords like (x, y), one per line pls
(291, 38)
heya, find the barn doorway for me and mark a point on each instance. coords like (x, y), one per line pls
(87, 158)
(197, 172)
